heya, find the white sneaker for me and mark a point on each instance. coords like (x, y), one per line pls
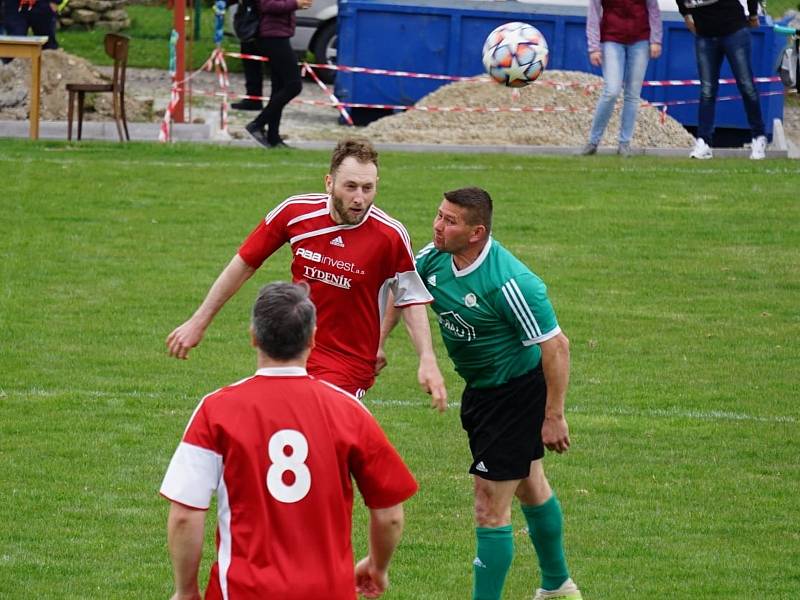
(701, 150)
(567, 591)
(758, 148)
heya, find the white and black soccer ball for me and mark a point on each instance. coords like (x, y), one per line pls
(515, 54)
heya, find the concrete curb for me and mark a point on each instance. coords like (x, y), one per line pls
(206, 133)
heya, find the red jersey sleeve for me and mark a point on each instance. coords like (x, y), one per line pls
(380, 473)
(265, 239)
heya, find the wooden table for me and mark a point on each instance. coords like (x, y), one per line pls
(17, 46)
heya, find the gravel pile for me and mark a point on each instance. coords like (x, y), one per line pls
(58, 69)
(564, 102)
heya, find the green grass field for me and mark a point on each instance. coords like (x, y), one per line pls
(678, 284)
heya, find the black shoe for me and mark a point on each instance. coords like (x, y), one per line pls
(278, 145)
(247, 104)
(258, 134)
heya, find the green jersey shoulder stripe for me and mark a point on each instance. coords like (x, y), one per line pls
(521, 310)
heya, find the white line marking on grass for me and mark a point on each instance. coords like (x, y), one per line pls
(670, 413)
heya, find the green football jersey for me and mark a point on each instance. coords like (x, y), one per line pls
(492, 314)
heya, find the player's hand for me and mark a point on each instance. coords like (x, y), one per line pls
(555, 434)
(431, 381)
(380, 361)
(596, 58)
(655, 50)
(753, 21)
(303, 4)
(184, 337)
(370, 582)
(690, 23)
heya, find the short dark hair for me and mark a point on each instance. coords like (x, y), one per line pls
(360, 149)
(478, 203)
(283, 319)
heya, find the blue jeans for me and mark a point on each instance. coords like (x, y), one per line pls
(710, 52)
(623, 67)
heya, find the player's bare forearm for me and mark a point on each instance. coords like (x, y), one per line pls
(188, 335)
(185, 529)
(555, 366)
(385, 531)
(391, 315)
(429, 375)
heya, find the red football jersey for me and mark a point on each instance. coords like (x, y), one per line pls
(279, 449)
(350, 269)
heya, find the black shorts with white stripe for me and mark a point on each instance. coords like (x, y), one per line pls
(504, 426)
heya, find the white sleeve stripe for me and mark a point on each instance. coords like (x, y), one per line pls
(311, 215)
(192, 476)
(521, 309)
(393, 222)
(398, 228)
(543, 338)
(525, 307)
(306, 199)
(425, 250)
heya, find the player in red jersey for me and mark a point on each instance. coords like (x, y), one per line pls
(279, 450)
(352, 254)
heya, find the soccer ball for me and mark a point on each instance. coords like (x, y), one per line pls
(515, 54)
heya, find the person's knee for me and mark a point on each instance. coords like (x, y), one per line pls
(293, 87)
(491, 508)
(708, 91)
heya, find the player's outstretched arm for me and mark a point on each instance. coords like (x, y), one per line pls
(188, 335)
(185, 528)
(429, 376)
(385, 530)
(555, 365)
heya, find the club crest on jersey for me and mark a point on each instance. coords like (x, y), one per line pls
(470, 300)
(455, 325)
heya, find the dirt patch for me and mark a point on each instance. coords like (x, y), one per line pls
(556, 110)
(58, 69)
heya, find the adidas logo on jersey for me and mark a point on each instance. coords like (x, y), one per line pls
(432, 280)
(337, 241)
(478, 563)
(481, 467)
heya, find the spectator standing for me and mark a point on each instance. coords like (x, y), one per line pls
(622, 36)
(279, 450)
(275, 30)
(721, 31)
(37, 15)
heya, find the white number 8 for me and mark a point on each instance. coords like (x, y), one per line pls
(294, 463)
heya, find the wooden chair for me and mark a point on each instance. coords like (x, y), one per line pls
(117, 48)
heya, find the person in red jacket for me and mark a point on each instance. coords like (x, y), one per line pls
(274, 34)
(622, 35)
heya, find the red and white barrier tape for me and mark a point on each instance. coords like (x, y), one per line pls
(218, 61)
(334, 100)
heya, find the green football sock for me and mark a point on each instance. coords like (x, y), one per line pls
(545, 527)
(494, 556)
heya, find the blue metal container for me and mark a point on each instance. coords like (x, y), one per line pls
(446, 37)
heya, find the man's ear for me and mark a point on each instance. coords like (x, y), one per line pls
(478, 233)
(328, 184)
(312, 341)
(253, 340)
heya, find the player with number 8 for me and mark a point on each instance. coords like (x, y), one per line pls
(280, 449)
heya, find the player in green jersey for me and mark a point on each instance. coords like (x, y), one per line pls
(501, 333)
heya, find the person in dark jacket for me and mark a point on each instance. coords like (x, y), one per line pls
(274, 34)
(37, 15)
(622, 36)
(721, 31)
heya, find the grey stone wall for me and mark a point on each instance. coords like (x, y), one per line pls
(109, 15)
